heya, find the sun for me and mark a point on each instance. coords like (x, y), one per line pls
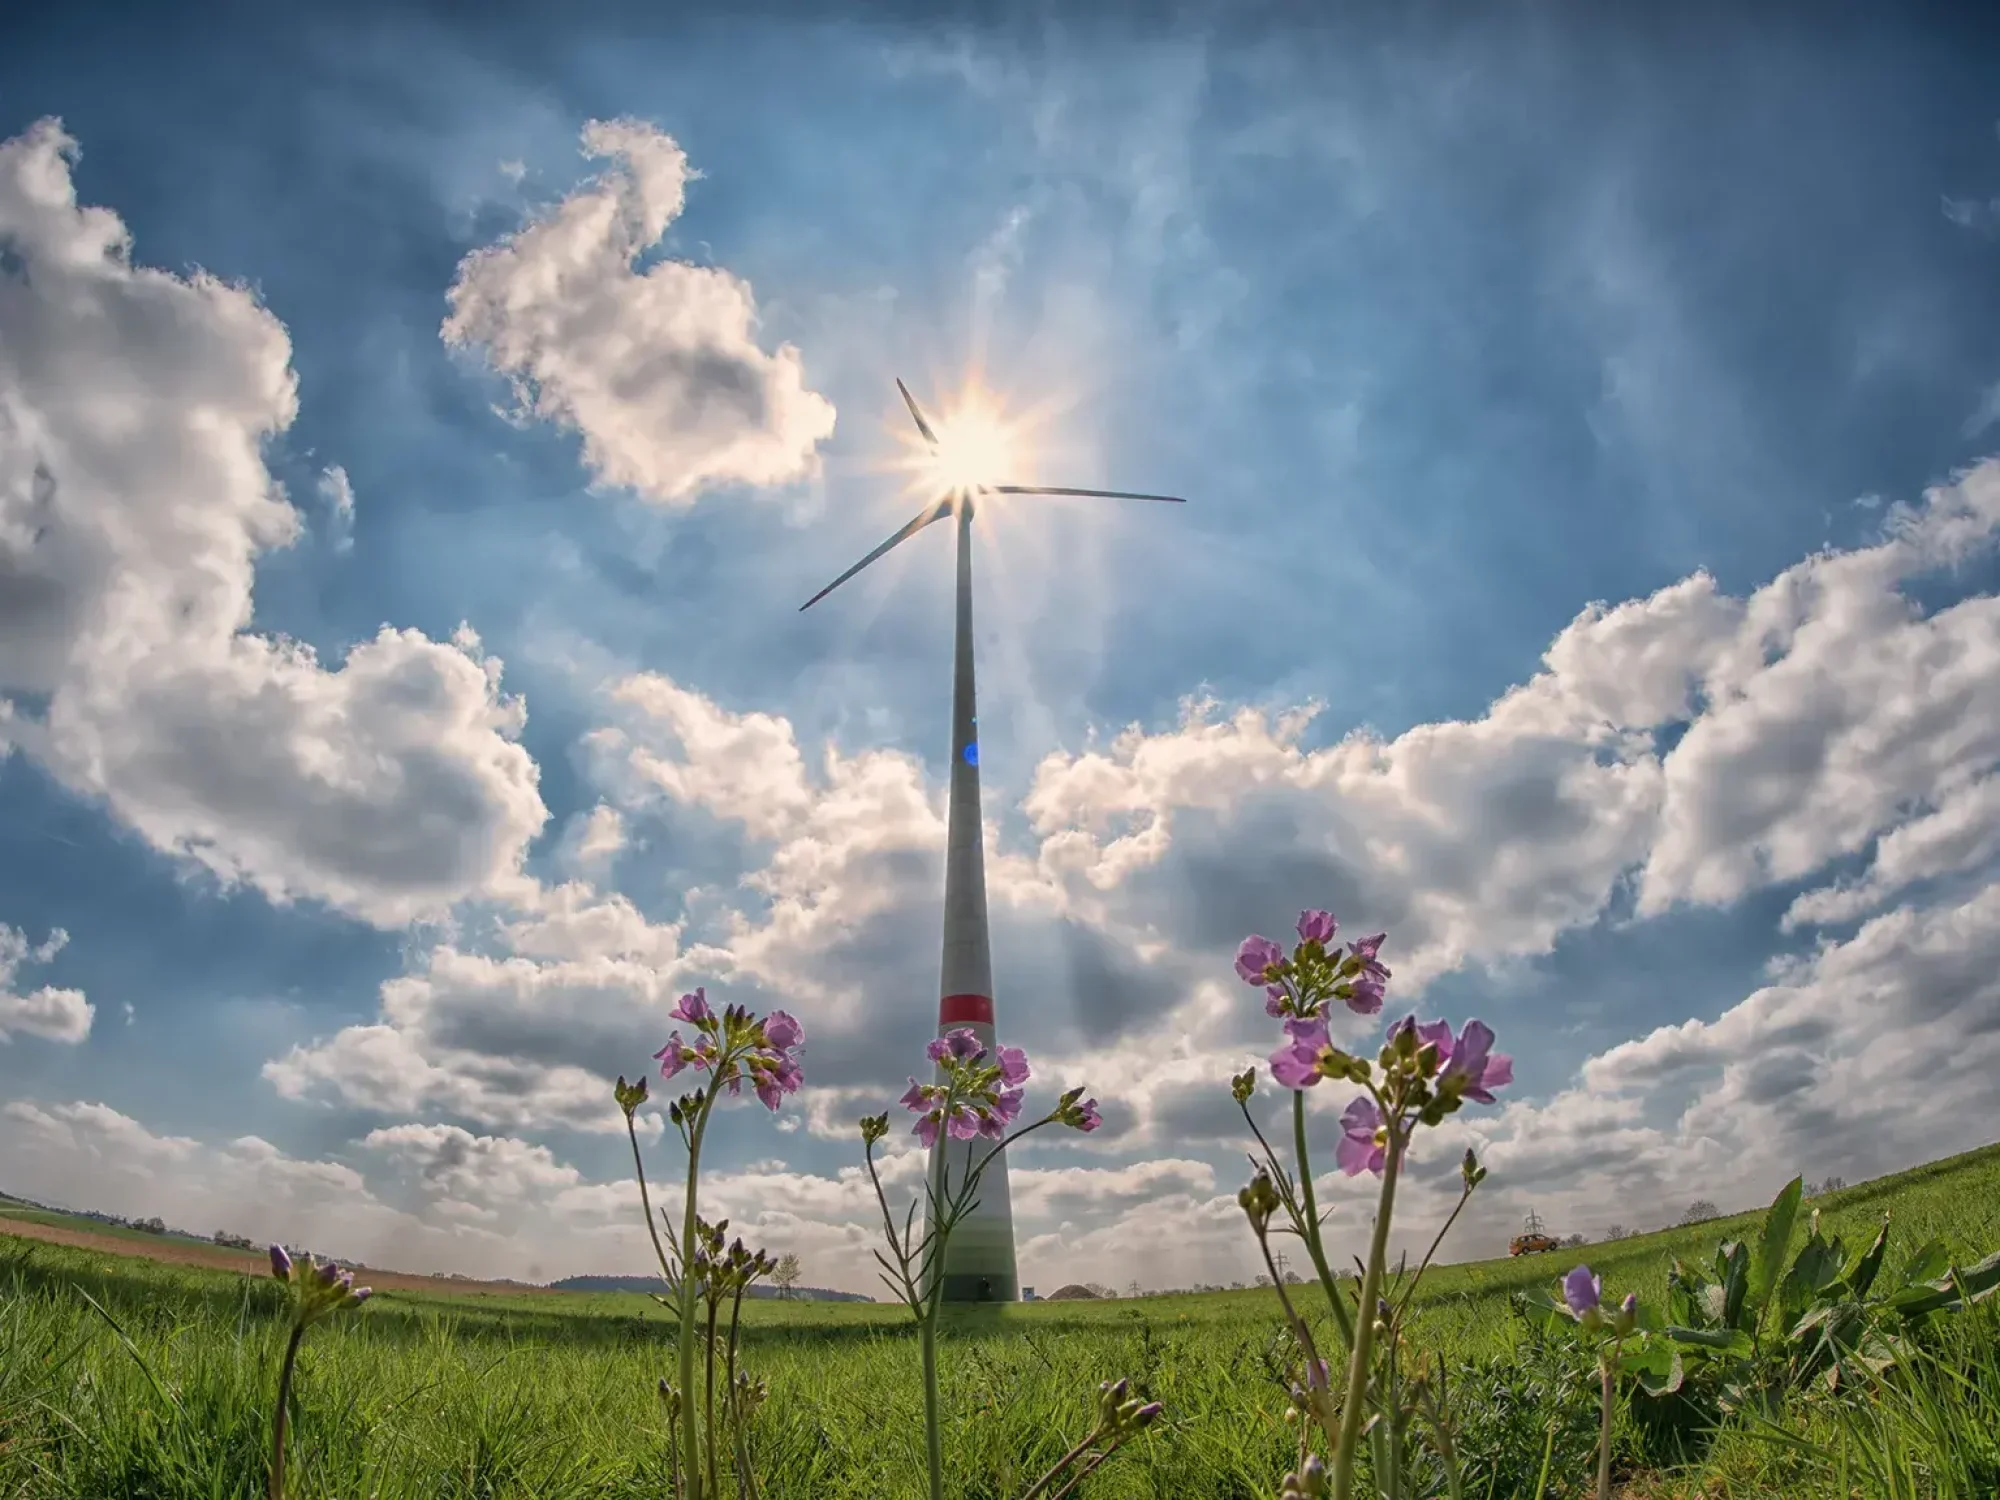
(976, 445)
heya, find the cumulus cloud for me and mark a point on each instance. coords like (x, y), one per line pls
(1874, 1054)
(57, 1015)
(659, 370)
(135, 406)
(1691, 744)
(247, 1186)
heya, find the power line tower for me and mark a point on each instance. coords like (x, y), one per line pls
(1533, 1223)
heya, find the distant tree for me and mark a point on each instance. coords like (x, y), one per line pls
(1616, 1232)
(1098, 1289)
(1263, 1280)
(1575, 1241)
(152, 1226)
(786, 1274)
(1236, 1286)
(1700, 1211)
(1820, 1190)
(1292, 1278)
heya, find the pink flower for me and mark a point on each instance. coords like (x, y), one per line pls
(693, 1008)
(1581, 1290)
(927, 1129)
(1368, 980)
(782, 1032)
(1274, 1000)
(1296, 1064)
(1013, 1066)
(1472, 1058)
(1258, 960)
(955, 1046)
(1317, 927)
(675, 1056)
(1361, 1147)
(1087, 1118)
(1364, 995)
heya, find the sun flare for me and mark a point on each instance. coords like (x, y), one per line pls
(977, 444)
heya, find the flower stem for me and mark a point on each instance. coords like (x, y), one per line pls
(690, 1417)
(1041, 1485)
(277, 1491)
(708, 1396)
(1364, 1322)
(933, 1436)
(1310, 1228)
(1608, 1372)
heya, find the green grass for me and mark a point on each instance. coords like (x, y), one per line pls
(551, 1395)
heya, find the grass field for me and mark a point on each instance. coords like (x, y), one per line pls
(161, 1391)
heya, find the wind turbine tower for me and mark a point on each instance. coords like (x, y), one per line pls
(979, 1262)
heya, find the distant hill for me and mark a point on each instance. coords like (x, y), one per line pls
(652, 1284)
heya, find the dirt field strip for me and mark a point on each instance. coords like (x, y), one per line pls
(248, 1262)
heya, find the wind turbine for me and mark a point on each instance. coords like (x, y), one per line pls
(979, 1261)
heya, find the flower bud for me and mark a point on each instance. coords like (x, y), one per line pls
(1309, 1483)
(1627, 1317)
(1243, 1085)
(1259, 1201)
(630, 1095)
(281, 1263)
(1470, 1172)
(873, 1128)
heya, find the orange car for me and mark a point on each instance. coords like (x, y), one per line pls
(1532, 1244)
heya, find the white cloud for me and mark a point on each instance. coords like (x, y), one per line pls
(134, 500)
(595, 839)
(247, 1186)
(1833, 708)
(1961, 833)
(661, 370)
(57, 1015)
(337, 493)
(1823, 715)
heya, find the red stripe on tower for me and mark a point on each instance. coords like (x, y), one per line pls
(962, 1010)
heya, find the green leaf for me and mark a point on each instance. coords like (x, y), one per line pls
(1928, 1264)
(1860, 1275)
(1731, 1342)
(1816, 1266)
(1949, 1292)
(1542, 1311)
(1735, 1257)
(1657, 1363)
(1684, 1296)
(1773, 1240)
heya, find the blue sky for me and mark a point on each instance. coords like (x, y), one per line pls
(1447, 329)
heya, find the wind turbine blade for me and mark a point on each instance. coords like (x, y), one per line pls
(922, 519)
(1044, 489)
(922, 426)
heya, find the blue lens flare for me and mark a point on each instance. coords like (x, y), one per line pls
(972, 753)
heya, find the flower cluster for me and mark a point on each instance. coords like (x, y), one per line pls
(977, 1098)
(736, 1047)
(1120, 1416)
(1316, 972)
(319, 1288)
(720, 1271)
